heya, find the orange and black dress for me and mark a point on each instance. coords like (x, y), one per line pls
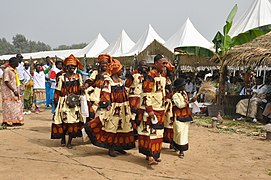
(168, 123)
(150, 134)
(112, 129)
(133, 86)
(65, 119)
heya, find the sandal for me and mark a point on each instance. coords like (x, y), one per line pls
(112, 153)
(158, 160)
(69, 146)
(152, 162)
(181, 155)
(121, 151)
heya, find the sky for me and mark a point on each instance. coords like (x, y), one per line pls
(57, 22)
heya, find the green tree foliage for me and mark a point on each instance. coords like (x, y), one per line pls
(21, 45)
(6, 47)
(73, 46)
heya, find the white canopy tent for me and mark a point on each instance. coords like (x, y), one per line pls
(121, 46)
(259, 14)
(42, 54)
(94, 48)
(7, 57)
(146, 39)
(187, 36)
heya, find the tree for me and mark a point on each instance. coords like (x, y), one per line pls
(223, 43)
(20, 43)
(73, 46)
(6, 47)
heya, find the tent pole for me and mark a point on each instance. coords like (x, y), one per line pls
(264, 74)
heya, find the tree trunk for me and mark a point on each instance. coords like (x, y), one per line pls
(222, 80)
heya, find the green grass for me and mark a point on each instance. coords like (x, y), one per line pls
(207, 120)
(246, 125)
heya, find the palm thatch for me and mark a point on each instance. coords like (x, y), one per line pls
(254, 53)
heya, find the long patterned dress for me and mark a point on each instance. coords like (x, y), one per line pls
(12, 105)
(112, 129)
(66, 119)
(168, 123)
(150, 136)
(182, 117)
(133, 84)
(95, 81)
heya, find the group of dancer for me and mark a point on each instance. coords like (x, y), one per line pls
(144, 107)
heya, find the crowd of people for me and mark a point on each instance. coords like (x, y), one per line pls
(146, 106)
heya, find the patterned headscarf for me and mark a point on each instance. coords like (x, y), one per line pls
(102, 57)
(72, 60)
(115, 66)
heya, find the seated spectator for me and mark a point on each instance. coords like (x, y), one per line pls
(249, 107)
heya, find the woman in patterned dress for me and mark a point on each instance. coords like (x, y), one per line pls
(112, 128)
(67, 120)
(11, 101)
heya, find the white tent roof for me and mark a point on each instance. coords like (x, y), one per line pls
(146, 39)
(94, 48)
(7, 57)
(59, 53)
(42, 54)
(187, 35)
(259, 14)
(121, 46)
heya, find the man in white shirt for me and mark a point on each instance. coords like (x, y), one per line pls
(20, 68)
(28, 89)
(249, 107)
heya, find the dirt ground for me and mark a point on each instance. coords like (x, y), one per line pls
(27, 152)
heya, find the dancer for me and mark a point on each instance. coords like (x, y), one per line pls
(67, 119)
(152, 112)
(182, 116)
(133, 85)
(112, 128)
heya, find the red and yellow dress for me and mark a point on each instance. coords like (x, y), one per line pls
(182, 117)
(65, 119)
(112, 129)
(150, 136)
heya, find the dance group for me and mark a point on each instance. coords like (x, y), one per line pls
(144, 107)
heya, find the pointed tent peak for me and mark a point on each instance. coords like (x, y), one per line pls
(258, 14)
(124, 34)
(95, 47)
(187, 36)
(188, 20)
(122, 45)
(145, 39)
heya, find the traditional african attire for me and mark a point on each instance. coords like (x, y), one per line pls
(112, 129)
(66, 119)
(150, 136)
(182, 117)
(133, 85)
(168, 122)
(12, 105)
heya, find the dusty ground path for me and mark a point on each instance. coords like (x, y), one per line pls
(27, 152)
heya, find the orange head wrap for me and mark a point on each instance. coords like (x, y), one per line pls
(71, 60)
(170, 67)
(115, 66)
(104, 57)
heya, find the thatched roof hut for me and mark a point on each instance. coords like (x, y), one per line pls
(254, 53)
